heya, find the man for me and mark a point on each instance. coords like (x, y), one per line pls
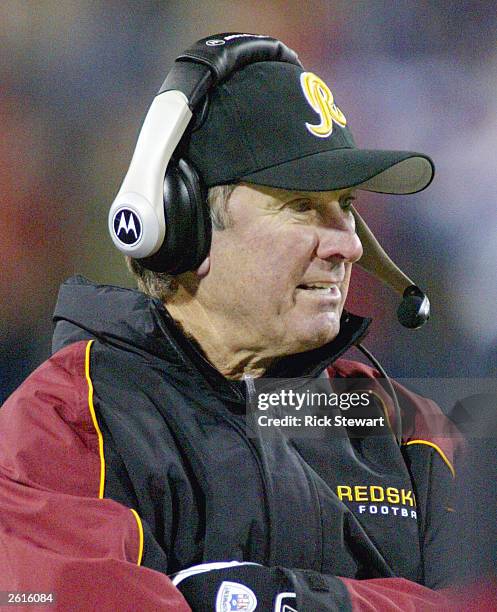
(129, 457)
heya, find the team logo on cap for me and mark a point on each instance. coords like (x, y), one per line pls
(321, 100)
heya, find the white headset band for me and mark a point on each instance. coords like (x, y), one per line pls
(141, 192)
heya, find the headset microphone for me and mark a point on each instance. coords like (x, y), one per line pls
(414, 310)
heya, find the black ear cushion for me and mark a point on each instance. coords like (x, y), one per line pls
(188, 224)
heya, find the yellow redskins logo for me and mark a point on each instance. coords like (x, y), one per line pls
(320, 98)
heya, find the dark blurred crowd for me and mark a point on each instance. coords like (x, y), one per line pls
(77, 78)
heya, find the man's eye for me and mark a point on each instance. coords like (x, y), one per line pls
(302, 205)
(346, 202)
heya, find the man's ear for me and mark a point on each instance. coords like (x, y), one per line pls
(204, 267)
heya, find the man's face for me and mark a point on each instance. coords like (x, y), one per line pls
(279, 274)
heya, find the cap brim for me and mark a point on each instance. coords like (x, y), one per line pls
(398, 172)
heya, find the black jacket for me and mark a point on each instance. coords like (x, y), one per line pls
(174, 447)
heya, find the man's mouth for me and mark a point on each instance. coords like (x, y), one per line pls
(317, 287)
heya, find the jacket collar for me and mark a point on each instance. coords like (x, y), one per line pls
(309, 363)
(135, 322)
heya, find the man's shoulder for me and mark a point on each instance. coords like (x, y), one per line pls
(63, 373)
(50, 421)
(425, 427)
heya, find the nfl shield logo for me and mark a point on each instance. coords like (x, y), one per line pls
(233, 596)
(239, 602)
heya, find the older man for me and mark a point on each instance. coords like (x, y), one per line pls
(127, 457)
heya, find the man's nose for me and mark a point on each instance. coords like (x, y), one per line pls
(341, 242)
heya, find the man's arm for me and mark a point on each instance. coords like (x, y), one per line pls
(57, 533)
(207, 588)
(308, 591)
(278, 589)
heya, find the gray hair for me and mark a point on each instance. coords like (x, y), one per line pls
(162, 285)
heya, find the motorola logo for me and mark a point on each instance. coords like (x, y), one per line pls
(127, 226)
(214, 42)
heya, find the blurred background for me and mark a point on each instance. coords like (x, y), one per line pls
(76, 81)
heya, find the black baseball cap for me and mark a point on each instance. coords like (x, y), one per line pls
(274, 124)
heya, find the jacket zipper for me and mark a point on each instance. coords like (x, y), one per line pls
(250, 386)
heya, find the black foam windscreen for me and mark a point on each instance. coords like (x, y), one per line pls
(414, 310)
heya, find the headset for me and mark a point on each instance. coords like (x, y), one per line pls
(162, 202)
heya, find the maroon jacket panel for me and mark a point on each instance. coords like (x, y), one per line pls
(396, 595)
(56, 535)
(422, 418)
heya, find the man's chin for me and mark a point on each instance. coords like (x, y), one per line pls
(318, 335)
